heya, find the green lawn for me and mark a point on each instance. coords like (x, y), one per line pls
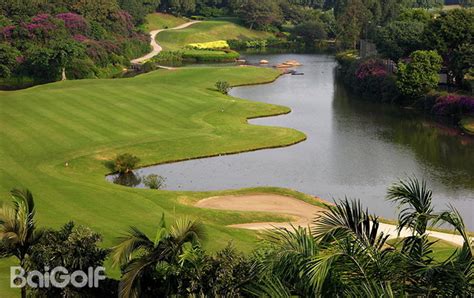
(205, 32)
(159, 20)
(160, 116)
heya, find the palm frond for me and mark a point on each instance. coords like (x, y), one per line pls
(25, 211)
(268, 286)
(416, 200)
(128, 244)
(8, 224)
(288, 254)
(372, 289)
(161, 232)
(187, 230)
(454, 218)
(130, 282)
(348, 219)
(319, 268)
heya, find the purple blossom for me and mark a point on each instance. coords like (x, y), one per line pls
(7, 32)
(454, 104)
(41, 25)
(372, 67)
(41, 18)
(73, 22)
(79, 38)
(123, 22)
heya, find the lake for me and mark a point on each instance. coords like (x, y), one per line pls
(355, 148)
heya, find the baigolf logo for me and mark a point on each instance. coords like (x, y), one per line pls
(58, 277)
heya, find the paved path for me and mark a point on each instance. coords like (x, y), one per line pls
(302, 212)
(156, 47)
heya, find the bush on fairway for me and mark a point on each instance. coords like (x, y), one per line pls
(223, 87)
(123, 163)
(210, 55)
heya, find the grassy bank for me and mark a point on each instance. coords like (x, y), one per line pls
(205, 32)
(159, 20)
(159, 116)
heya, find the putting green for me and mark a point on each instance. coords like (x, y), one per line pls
(160, 116)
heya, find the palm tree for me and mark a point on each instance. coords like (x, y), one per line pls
(343, 252)
(18, 231)
(454, 276)
(416, 200)
(280, 263)
(141, 257)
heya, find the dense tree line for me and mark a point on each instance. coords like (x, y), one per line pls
(49, 40)
(54, 39)
(343, 253)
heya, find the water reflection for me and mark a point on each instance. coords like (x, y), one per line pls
(444, 153)
(127, 179)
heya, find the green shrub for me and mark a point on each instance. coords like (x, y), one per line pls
(149, 66)
(210, 55)
(223, 87)
(154, 181)
(81, 69)
(420, 75)
(123, 163)
(169, 58)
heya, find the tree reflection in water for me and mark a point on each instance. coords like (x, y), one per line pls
(127, 179)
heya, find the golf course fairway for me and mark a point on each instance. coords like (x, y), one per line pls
(56, 137)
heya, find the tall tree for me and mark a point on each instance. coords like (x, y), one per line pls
(452, 35)
(400, 38)
(353, 18)
(260, 13)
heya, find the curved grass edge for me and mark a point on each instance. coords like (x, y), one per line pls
(302, 139)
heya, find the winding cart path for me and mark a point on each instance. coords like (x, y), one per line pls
(156, 47)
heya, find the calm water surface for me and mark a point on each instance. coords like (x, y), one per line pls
(355, 148)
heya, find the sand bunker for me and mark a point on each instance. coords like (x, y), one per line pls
(302, 211)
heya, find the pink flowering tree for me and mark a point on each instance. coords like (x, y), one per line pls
(454, 105)
(75, 24)
(371, 68)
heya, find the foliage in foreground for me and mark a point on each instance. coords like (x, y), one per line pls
(343, 253)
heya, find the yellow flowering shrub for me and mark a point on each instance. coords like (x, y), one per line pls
(218, 44)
